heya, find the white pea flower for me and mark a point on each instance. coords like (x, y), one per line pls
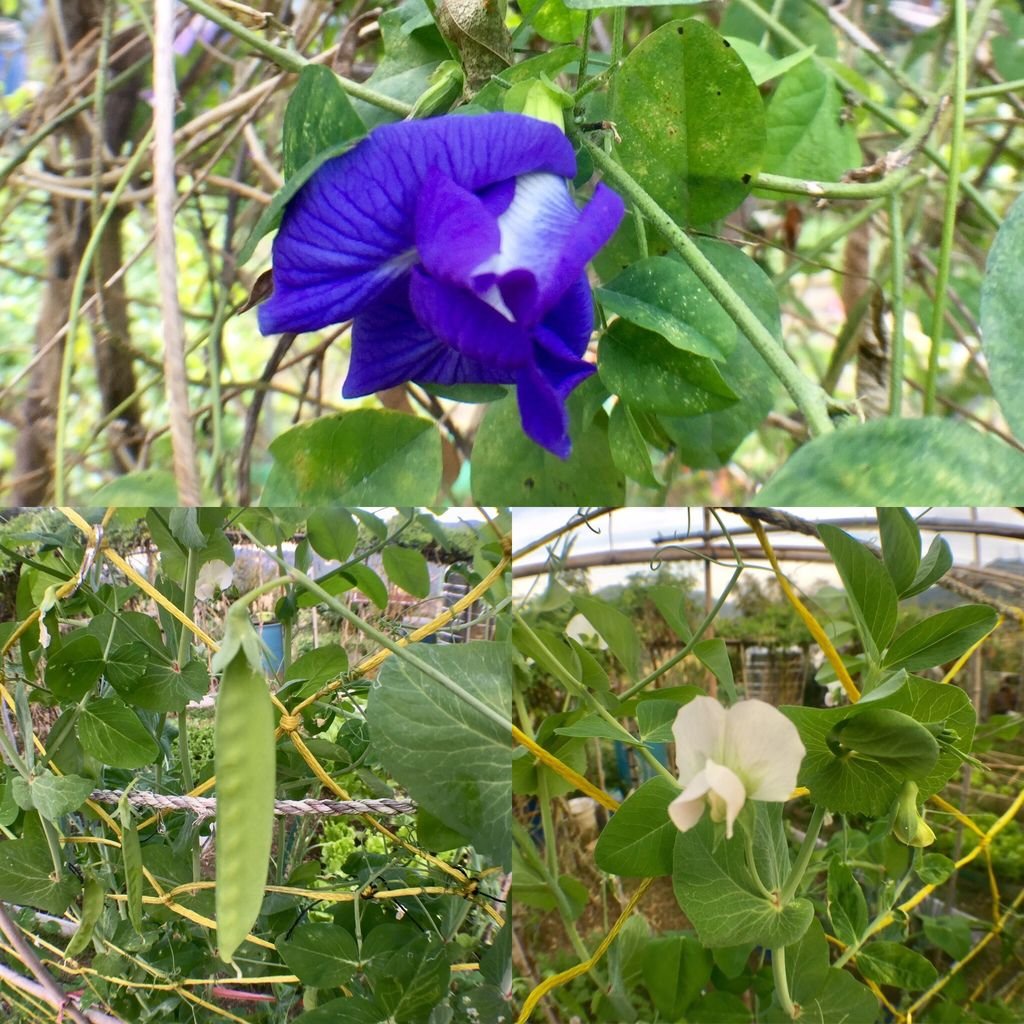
(725, 755)
(213, 576)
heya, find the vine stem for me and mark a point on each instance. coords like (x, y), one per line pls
(803, 858)
(782, 982)
(897, 346)
(810, 399)
(952, 200)
(290, 60)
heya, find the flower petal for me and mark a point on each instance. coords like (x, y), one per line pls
(390, 347)
(572, 317)
(699, 732)
(597, 223)
(687, 808)
(542, 410)
(454, 231)
(764, 746)
(727, 794)
(349, 231)
(467, 323)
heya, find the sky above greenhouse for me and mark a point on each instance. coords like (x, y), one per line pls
(637, 528)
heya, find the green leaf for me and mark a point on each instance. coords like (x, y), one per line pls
(318, 116)
(862, 786)
(671, 604)
(320, 954)
(692, 121)
(509, 469)
(450, 757)
(951, 934)
(639, 839)
(847, 908)
(933, 869)
(675, 970)
(901, 546)
(763, 67)
(892, 963)
(655, 718)
(51, 795)
(714, 656)
(895, 462)
(76, 666)
(709, 441)
(111, 732)
(1002, 333)
(807, 136)
(332, 533)
(869, 589)
(602, 5)
(628, 446)
(940, 637)
(368, 456)
(316, 668)
(142, 488)
(155, 685)
(717, 893)
(665, 296)
(936, 563)
(615, 628)
(26, 877)
(411, 981)
(650, 374)
(407, 569)
(368, 583)
(553, 20)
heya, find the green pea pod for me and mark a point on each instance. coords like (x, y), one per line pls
(92, 907)
(131, 854)
(244, 761)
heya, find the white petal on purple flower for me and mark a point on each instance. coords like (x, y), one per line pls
(349, 232)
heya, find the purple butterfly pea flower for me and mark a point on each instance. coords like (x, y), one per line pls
(455, 246)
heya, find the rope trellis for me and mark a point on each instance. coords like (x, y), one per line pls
(206, 807)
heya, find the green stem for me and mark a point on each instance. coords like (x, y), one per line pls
(693, 641)
(618, 44)
(833, 189)
(803, 858)
(581, 74)
(491, 714)
(810, 399)
(53, 843)
(952, 201)
(782, 982)
(74, 314)
(547, 823)
(983, 91)
(897, 346)
(748, 853)
(290, 60)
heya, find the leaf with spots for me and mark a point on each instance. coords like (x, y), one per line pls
(691, 120)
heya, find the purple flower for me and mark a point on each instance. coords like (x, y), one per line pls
(457, 249)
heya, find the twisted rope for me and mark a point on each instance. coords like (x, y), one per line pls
(206, 807)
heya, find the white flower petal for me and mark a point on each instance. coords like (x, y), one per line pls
(687, 808)
(763, 746)
(727, 795)
(699, 732)
(535, 227)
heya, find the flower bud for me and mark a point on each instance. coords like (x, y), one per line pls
(539, 99)
(908, 824)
